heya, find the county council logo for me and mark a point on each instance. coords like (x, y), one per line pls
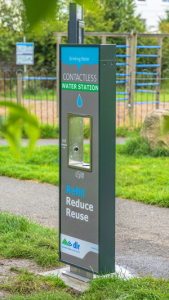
(75, 245)
(64, 242)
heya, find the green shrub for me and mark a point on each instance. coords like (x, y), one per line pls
(128, 131)
(46, 132)
(139, 147)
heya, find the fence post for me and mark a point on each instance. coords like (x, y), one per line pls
(19, 88)
(57, 72)
(1, 81)
(158, 80)
(103, 39)
(132, 73)
(128, 52)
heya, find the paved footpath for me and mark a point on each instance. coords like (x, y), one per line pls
(46, 142)
(142, 231)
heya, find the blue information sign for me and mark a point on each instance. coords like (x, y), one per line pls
(24, 53)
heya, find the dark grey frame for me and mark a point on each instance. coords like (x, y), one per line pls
(76, 167)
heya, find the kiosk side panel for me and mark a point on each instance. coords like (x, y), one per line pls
(107, 140)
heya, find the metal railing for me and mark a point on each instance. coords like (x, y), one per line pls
(38, 93)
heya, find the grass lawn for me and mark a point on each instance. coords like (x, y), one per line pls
(142, 178)
(25, 239)
(48, 131)
(42, 166)
(128, 131)
(50, 94)
(22, 238)
(100, 289)
(37, 94)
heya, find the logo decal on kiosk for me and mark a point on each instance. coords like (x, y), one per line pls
(79, 175)
(66, 243)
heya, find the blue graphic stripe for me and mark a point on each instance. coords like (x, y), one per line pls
(79, 56)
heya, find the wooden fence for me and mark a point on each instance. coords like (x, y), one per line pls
(131, 50)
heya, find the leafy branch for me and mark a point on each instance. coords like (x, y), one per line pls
(17, 116)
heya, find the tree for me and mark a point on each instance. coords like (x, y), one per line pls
(107, 16)
(26, 16)
(112, 16)
(14, 25)
(19, 20)
(121, 12)
(10, 28)
(95, 21)
(164, 28)
(39, 10)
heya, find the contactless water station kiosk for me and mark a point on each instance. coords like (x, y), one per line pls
(87, 152)
(87, 166)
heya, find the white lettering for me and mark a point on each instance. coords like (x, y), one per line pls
(68, 200)
(81, 217)
(86, 206)
(82, 205)
(73, 214)
(73, 202)
(86, 218)
(80, 77)
(77, 215)
(91, 207)
(77, 203)
(68, 212)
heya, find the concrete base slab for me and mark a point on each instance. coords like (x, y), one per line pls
(80, 283)
(78, 277)
(74, 283)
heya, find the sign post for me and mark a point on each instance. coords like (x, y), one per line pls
(75, 24)
(25, 53)
(87, 168)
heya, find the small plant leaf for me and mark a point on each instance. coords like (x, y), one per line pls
(39, 10)
(18, 116)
